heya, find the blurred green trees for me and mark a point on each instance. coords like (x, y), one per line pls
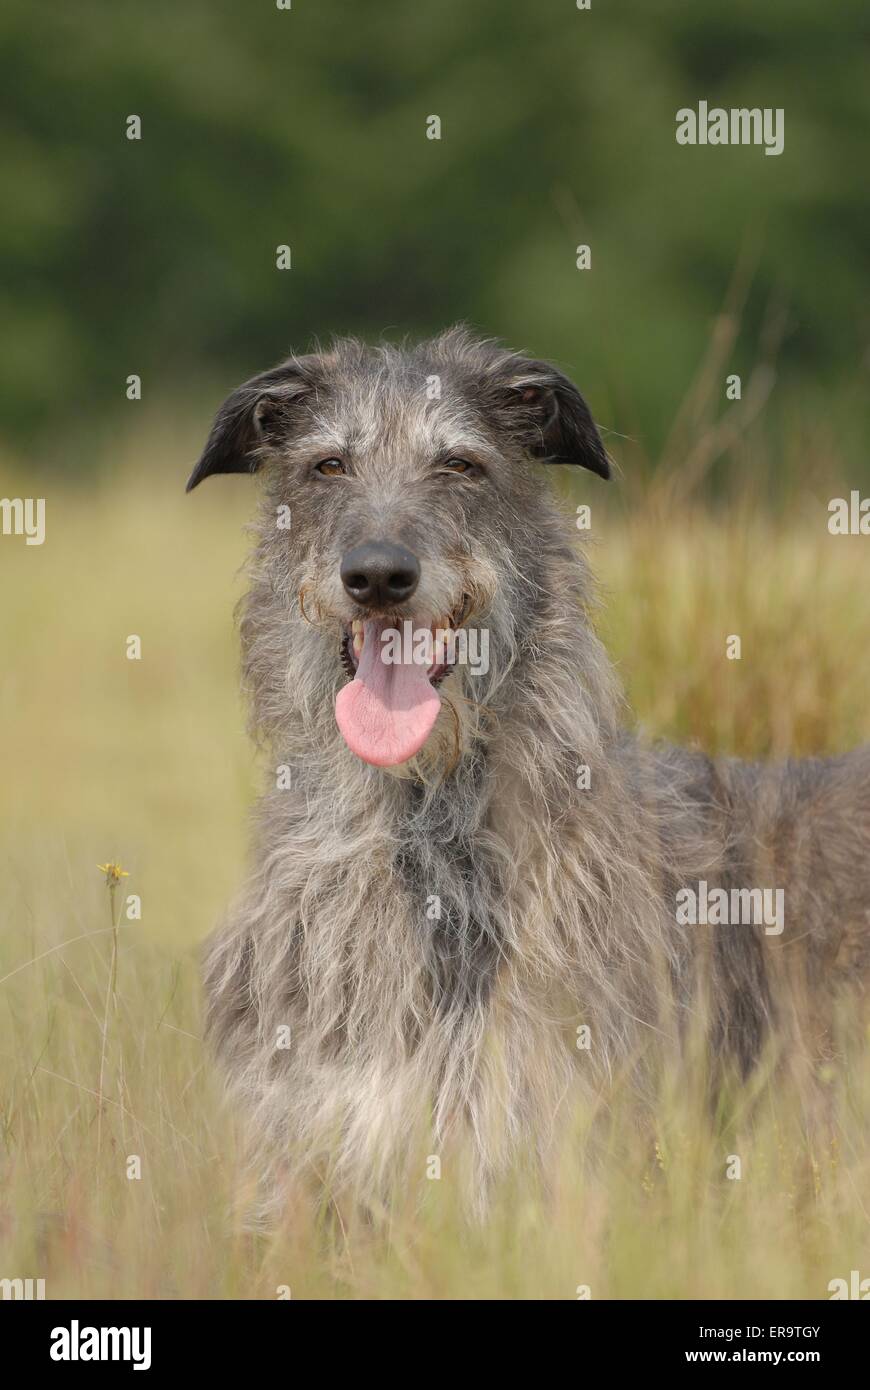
(308, 127)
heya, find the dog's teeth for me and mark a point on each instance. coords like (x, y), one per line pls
(356, 626)
(358, 643)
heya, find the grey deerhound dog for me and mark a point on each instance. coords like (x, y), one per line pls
(474, 895)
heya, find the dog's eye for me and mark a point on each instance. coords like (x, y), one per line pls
(457, 465)
(331, 468)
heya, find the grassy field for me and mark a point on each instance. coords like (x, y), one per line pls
(145, 763)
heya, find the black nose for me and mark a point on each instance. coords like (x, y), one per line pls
(378, 573)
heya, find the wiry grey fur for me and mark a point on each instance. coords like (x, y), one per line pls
(556, 904)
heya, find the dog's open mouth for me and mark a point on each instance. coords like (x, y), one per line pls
(387, 710)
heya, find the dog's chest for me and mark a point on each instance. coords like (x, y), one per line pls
(452, 877)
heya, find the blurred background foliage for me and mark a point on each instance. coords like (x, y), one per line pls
(308, 127)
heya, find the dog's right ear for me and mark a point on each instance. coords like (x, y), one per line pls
(250, 417)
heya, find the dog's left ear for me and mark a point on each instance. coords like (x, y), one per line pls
(555, 418)
(251, 417)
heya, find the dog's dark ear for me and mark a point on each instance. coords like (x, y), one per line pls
(252, 416)
(554, 417)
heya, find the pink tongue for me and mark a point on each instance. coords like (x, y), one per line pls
(387, 712)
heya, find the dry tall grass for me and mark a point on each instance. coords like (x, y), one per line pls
(145, 763)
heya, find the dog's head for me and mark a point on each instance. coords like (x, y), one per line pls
(405, 492)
